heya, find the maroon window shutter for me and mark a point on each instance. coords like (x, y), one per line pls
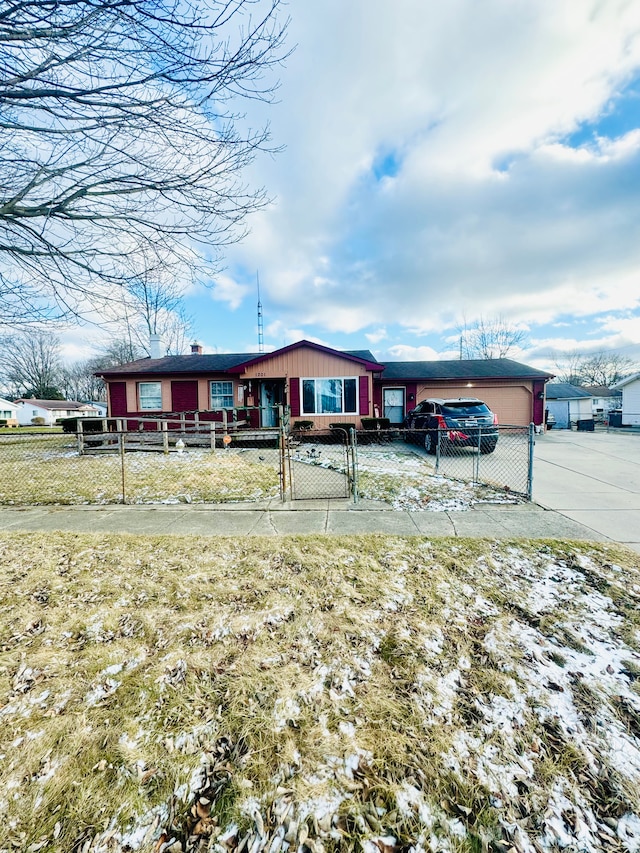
(184, 395)
(294, 396)
(364, 395)
(118, 399)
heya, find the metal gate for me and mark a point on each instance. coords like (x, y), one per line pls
(318, 464)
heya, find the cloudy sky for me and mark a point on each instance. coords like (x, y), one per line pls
(445, 161)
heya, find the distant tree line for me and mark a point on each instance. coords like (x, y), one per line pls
(603, 368)
(31, 365)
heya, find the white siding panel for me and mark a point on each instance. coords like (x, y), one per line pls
(631, 403)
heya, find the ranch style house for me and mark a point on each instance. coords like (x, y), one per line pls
(318, 384)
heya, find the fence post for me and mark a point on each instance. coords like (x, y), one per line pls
(438, 450)
(283, 467)
(476, 458)
(121, 441)
(165, 437)
(532, 430)
(80, 435)
(354, 462)
(212, 429)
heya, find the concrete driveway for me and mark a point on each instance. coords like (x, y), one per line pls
(592, 478)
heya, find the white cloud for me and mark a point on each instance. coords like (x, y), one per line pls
(226, 289)
(488, 211)
(376, 336)
(404, 352)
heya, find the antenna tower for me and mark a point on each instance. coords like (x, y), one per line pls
(260, 324)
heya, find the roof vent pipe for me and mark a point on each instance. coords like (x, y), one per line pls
(155, 346)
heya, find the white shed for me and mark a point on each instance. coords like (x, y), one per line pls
(630, 388)
(568, 404)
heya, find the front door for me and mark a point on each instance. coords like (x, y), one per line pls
(393, 404)
(271, 397)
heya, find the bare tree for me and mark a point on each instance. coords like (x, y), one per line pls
(30, 364)
(156, 308)
(601, 368)
(79, 382)
(119, 351)
(122, 147)
(490, 337)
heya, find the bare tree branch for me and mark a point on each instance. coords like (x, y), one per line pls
(490, 337)
(30, 364)
(602, 368)
(123, 149)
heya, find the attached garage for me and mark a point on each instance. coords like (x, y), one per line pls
(512, 403)
(514, 391)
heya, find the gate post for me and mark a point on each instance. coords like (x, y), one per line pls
(532, 432)
(354, 464)
(80, 436)
(284, 459)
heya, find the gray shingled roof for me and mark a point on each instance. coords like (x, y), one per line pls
(54, 405)
(218, 363)
(194, 364)
(479, 368)
(565, 391)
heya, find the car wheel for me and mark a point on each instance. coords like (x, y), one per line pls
(487, 446)
(430, 442)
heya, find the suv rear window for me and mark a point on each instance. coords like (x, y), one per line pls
(457, 410)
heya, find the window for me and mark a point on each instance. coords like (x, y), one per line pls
(222, 395)
(329, 397)
(150, 395)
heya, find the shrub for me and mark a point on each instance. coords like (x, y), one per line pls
(302, 425)
(3, 421)
(38, 421)
(376, 423)
(88, 424)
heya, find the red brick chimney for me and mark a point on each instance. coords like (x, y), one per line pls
(196, 349)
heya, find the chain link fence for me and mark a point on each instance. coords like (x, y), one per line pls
(140, 467)
(204, 465)
(391, 461)
(506, 464)
(318, 463)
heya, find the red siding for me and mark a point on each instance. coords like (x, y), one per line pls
(294, 396)
(411, 389)
(538, 394)
(364, 396)
(184, 395)
(117, 399)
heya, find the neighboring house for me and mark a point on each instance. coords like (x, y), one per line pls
(102, 409)
(51, 410)
(603, 400)
(630, 388)
(568, 404)
(8, 412)
(318, 384)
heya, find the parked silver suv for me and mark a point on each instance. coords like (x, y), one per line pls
(460, 422)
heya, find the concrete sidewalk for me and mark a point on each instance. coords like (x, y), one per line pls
(333, 517)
